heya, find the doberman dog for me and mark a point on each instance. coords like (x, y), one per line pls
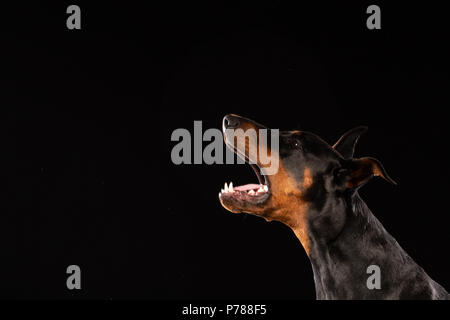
(315, 193)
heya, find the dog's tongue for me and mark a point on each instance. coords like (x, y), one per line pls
(247, 187)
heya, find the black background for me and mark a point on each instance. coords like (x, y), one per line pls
(86, 119)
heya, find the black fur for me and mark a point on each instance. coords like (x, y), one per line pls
(346, 237)
(339, 263)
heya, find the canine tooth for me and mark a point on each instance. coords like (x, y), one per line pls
(251, 192)
(226, 187)
(266, 188)
(230, 188)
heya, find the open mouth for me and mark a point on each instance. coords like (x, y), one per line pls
(252, 193)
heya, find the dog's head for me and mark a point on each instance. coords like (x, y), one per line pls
(308, 184)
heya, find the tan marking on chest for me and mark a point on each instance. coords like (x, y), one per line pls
(289, 206)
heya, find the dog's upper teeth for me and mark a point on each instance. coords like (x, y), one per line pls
(226, 187)
(266, 188)
(260, 189)
(230, 188)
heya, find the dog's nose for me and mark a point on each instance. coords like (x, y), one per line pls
(230, 121)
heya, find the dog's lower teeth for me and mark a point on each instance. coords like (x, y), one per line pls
(228, 188)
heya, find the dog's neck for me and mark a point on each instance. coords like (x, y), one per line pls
(340, 263)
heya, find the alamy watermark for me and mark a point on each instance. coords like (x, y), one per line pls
(74, 279)
(251, 145)
(374, 280)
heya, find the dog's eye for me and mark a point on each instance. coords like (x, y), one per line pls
(295, 143)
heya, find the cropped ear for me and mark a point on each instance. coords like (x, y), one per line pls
(359, 171)
(346, 144)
